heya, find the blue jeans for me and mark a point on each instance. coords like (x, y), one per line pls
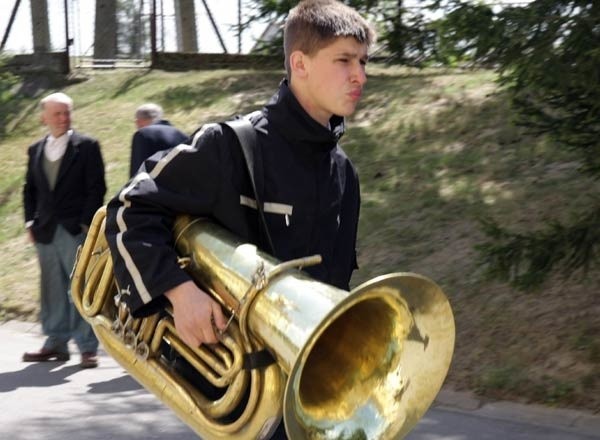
(60, 319)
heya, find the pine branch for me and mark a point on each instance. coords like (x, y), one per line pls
(525, 260)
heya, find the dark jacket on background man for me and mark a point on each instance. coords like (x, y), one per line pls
(155, 137)
(309, 188)
(78, 192)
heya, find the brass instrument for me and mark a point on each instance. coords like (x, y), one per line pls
(361, 364)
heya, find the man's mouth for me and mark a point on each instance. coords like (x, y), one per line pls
(355, 94)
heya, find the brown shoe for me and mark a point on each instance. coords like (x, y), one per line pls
(45, 355)
(88, 360)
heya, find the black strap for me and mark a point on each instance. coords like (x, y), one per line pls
(257, 359)
(246, 135)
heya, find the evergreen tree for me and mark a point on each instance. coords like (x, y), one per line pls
(405, 36)
(468, 33)
(548, 54)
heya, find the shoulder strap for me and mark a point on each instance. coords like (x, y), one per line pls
(246, 135)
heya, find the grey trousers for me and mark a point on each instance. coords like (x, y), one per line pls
(60, 319)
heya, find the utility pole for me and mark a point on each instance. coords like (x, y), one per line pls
(214, 25)
(239, 26)
(68, 40)
(153, 34)
(162, 26)
(10, 23)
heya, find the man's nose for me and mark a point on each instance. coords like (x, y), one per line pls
(359, 74)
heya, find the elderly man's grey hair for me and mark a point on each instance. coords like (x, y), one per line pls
(58, 97)
(149, 111)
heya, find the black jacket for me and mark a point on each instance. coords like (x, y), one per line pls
(309, 188)
(78, 193)
(152, 138)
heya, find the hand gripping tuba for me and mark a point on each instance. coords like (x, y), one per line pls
(364, 364)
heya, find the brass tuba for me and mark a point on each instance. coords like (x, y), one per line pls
(364, 364)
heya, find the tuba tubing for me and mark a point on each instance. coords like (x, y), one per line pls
(136, 345)
(361, 364)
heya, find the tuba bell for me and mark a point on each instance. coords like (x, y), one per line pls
(365, 364)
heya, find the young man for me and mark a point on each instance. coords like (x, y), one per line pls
(310, 194)
(153, 134)
(64, 187)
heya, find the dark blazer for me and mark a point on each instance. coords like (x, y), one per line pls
(152, 138)
(78, 193)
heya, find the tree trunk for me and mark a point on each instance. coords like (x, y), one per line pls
(39, 26)
(185, 18)
(105, 35)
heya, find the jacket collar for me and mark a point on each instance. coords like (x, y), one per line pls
(297, 126)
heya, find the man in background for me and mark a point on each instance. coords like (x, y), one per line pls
(154, 134)
(64, 186)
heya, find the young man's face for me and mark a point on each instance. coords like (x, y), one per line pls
(334, 79)
(57, 117)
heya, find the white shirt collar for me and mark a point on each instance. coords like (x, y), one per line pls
(55, 147)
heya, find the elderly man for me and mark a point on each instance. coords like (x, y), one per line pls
(154, 134)
(64, 186)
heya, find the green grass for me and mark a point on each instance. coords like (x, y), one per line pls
(435, 149)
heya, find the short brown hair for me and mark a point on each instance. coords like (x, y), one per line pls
(314, 24)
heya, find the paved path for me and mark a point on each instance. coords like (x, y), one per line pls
(54, 401)
(57, 401)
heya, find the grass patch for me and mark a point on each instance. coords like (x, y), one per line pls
(436, 150)
(500, 380)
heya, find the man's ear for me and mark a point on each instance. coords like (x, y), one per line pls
(298, 64)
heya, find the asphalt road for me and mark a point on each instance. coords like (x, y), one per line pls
(54, 401)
